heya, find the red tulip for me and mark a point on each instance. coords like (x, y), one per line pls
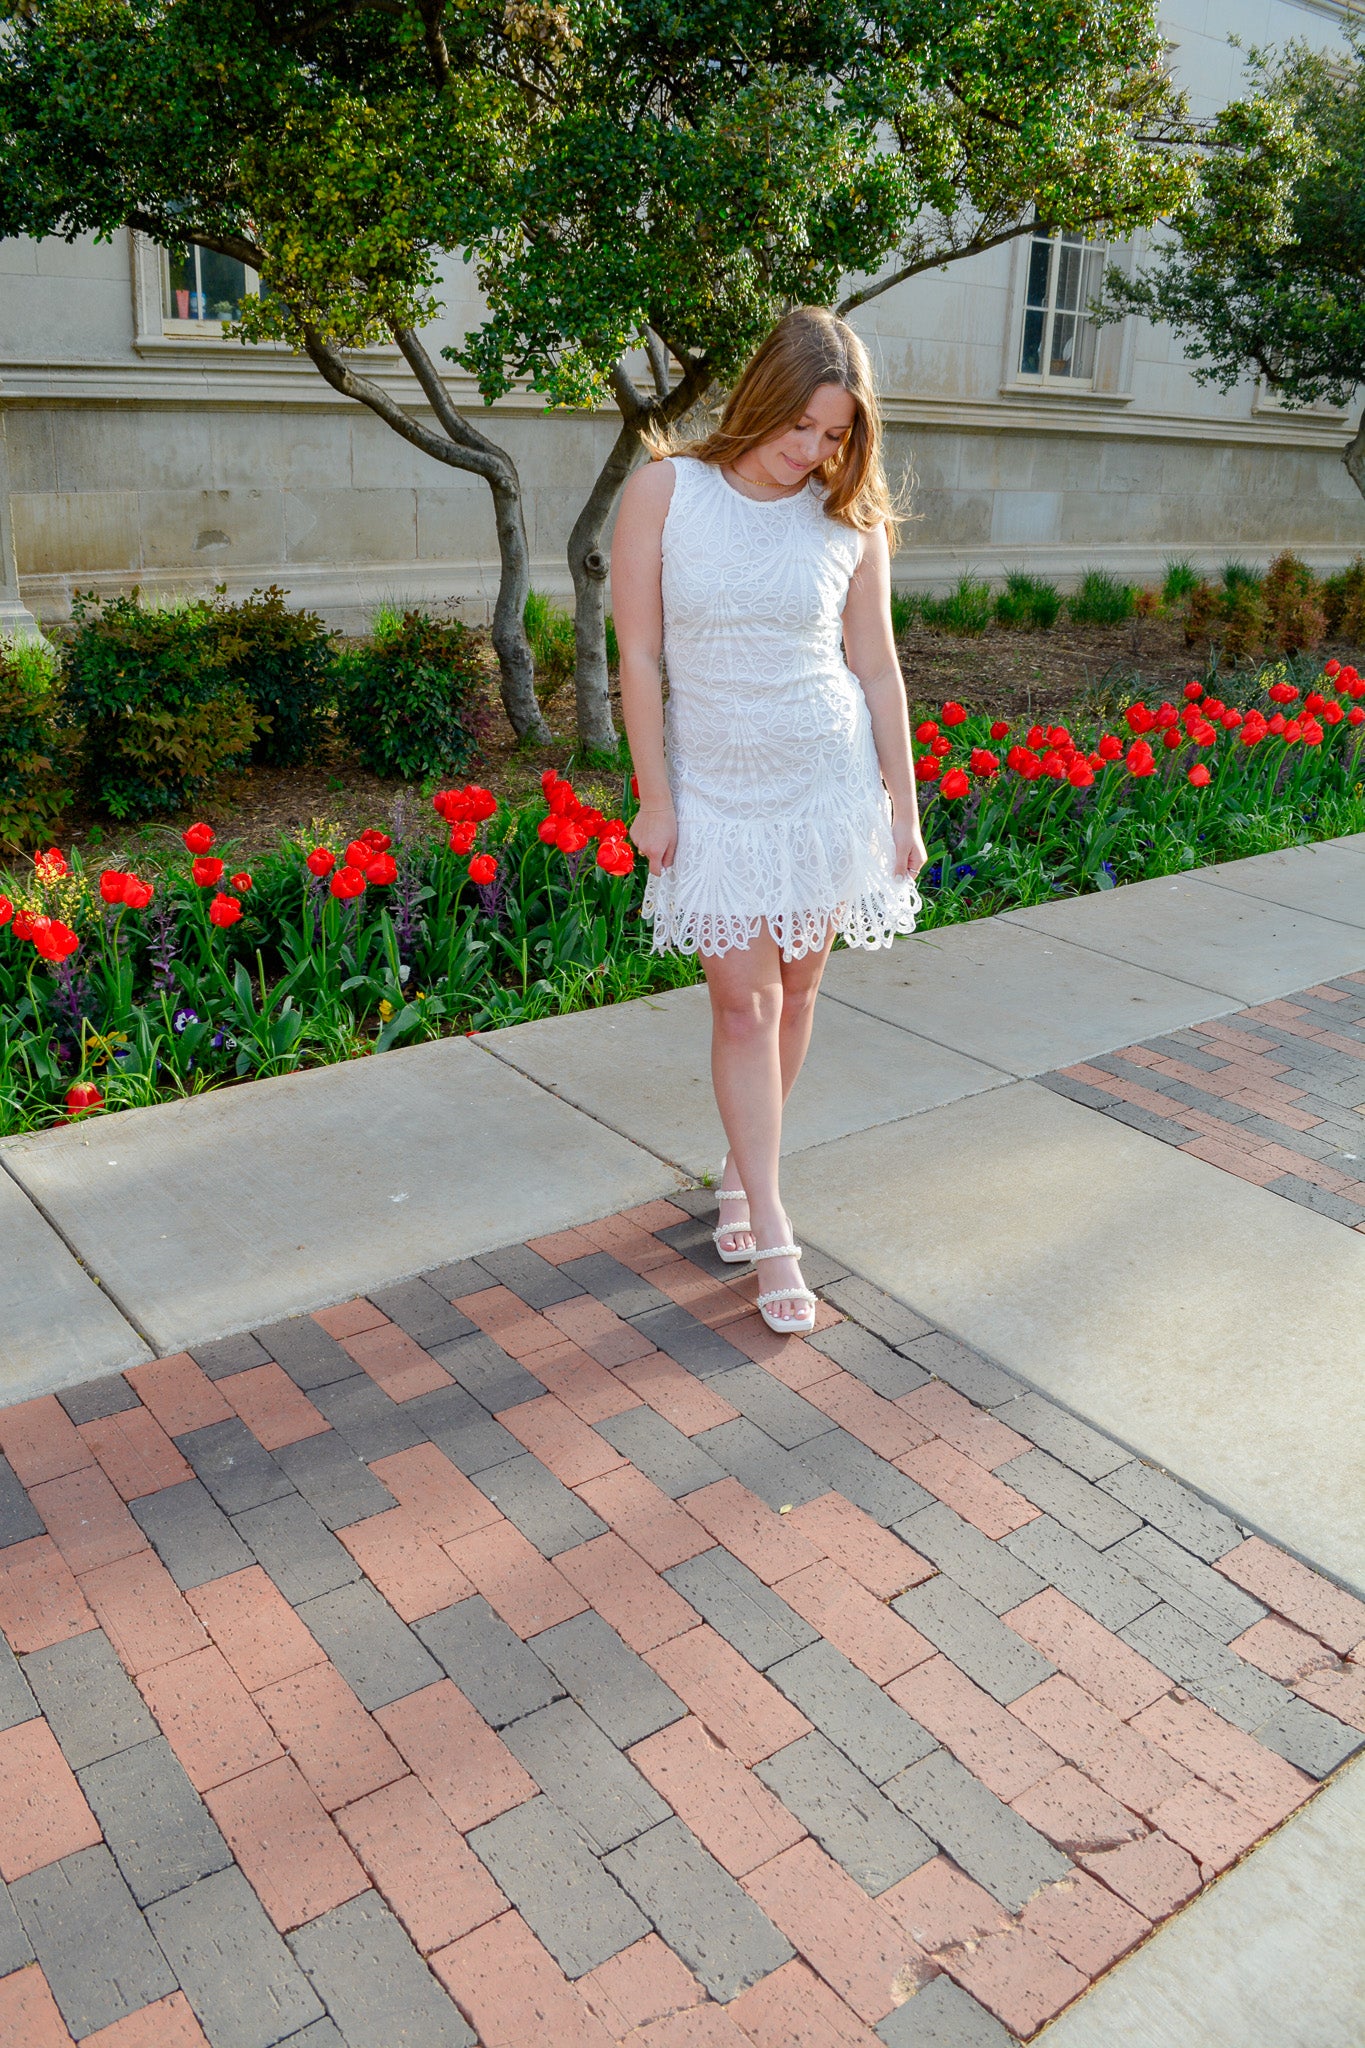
(359, 854)
(224, 910)
(942, 745)
(138, 893)
(1277, 724)
(1172, 737)
(1193, 690)
(1314, 701)
(983, 763)
(1139, 718)
(1199, 775)
(462, 834)
(1053, 765)
(1110, 746)
(562, 799)
(1332, 714)
(51, 866)
(1355, 716)
(23, 924)
(1080, 775)
(547, 831)
(320, 861)
(954, 784)
(206, 872)
(199, 838)
(1230, 719)
(6, 910)
(928, 768)
(53, 940)
(373, 837)
(572, 838)
(83, 1096)
(1293, 733)
(1000, 730)
(114, 885)
(1282, 693)
(1141, 759)
(482, 869)
(953, 713)
(927, 730)
(348, 882)
(382, 870)
(241, 883)
(1331, 668)
(635, 787)
(1036, 737)
(615, 857)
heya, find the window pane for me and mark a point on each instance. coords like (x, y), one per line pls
(183, 297)
(1031, 354)
(1070, 258)
(1063, 346)
(1083, 361)
(1040, 258)
(224, 285)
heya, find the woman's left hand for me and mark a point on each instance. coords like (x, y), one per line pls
(910, 850)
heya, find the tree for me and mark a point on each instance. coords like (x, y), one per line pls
(718, 164)
(1263, 281)
(333, 151)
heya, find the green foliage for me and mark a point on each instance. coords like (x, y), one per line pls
(904, 611)
(1246, 622)
(551, 634)
(1343, 603)
(966, 609)
(1292, 597)
(1275, 283)
(1240, 576)
(1179, 579)
(416, 701)
(283, 660)
(1028, 601)
(37, 746)
(1101, 600)
(158, 695)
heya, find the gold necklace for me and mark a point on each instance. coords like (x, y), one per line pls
(744, 485)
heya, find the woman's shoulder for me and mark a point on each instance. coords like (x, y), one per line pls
(650, 488)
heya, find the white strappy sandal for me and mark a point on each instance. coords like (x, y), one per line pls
(732, 1257)
(786, 1326)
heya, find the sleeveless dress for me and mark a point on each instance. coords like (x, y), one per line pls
(782, 816)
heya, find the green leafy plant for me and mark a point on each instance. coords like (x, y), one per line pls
(1028, 601)
(1245, 621)
(283, 660)
(1343, 603)
(551, 634)
(904, 611)
(1101, 600)
(415, 702)
(37, 746)
(1179, 580)
(158, 695)
(966, 609)
(1293, 600)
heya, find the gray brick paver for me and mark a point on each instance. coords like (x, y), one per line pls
(990, 1841)
(1095, 1579)
(624, 1292)
(880, 1313)
(726, 1940)
(532, 1279)
(752, 1618)
(486, 1371)
(749, 1455)
(227, 1355)
(564, 1893)
(689, 1342)
(544, 1510)
(337, 1484)
(91, 1940)
(458, 1278)
(305, 1351)
(870, 1359)
(376, 1986)
(1187, 1584)
(19, 1519)
(246, 1989)
(15, 1947)
(875, 1734)
(92, 1706)
(961, 1367)
(369, 1423)
(296, 1550)
(1306, 1736)
(425, 1314)
(869, 1837)
(585, 1775)
(501, 1676)
(1206, 1667)
(999, 1661)
(1096, 1517)
(870, 1482)
(161, 1833)
(461, 1427)
(675, 1463)
(615, 1687)
(376, 1653)
(94, 1399)
(777, 1411)
(190, 1534)
(17, 1703)
(982, 1568)
(1052, 1429)
(942, 2015)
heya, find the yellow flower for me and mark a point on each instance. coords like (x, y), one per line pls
(386, 1009)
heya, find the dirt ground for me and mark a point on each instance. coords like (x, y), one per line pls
(1069, 672)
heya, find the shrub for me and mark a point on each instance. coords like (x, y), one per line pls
(1101, 600)
(1292, 599)
(283, 660)
(1028, 601)
(1246, 622)
(37, 747)
(1203, 609)
(415, 702)
(155, 690)
(1179, 582)
(1343, 603)
(967, 609)
(1239, 576)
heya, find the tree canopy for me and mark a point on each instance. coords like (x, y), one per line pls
(1275, 283)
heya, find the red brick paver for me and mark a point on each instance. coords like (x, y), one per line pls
(276, 1827)
(43, 1812)
(727, 1808)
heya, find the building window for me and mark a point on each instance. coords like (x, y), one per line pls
(201, 288)
(1064, 276)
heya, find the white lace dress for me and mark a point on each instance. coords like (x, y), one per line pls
(782, 816)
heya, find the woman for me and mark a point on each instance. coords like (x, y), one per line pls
(777, 799)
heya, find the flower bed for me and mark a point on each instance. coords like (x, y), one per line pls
(119, 988)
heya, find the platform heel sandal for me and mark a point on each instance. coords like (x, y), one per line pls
(786, 1326)
(731, 1257)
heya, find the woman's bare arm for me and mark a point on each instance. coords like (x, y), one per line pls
(638, 612)
(870, 649)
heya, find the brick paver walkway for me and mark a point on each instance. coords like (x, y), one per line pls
(541, 1652)
(1273, 1094)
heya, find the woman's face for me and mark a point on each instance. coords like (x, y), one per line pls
(790, 457)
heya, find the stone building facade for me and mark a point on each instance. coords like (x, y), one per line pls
(144, 448)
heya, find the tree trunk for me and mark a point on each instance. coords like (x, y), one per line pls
(1353, 455)
(516, 663)
(588, 563)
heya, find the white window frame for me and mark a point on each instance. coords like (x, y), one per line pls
(1110, 381)
(1087, 251)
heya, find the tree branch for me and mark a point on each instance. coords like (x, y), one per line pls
(343, 379)
(438, 398)
(1354, 456)
(434, 37)
(237, 246)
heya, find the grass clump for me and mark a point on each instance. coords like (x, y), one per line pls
(1028, 602)
(967, 608)
(1101, 600)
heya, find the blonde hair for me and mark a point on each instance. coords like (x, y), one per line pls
(809, 347)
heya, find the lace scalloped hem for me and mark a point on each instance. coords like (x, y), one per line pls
(866, 922)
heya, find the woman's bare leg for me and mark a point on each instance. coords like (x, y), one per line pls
(762, 1009)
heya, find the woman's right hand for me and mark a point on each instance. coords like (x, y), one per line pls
(654, 830)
